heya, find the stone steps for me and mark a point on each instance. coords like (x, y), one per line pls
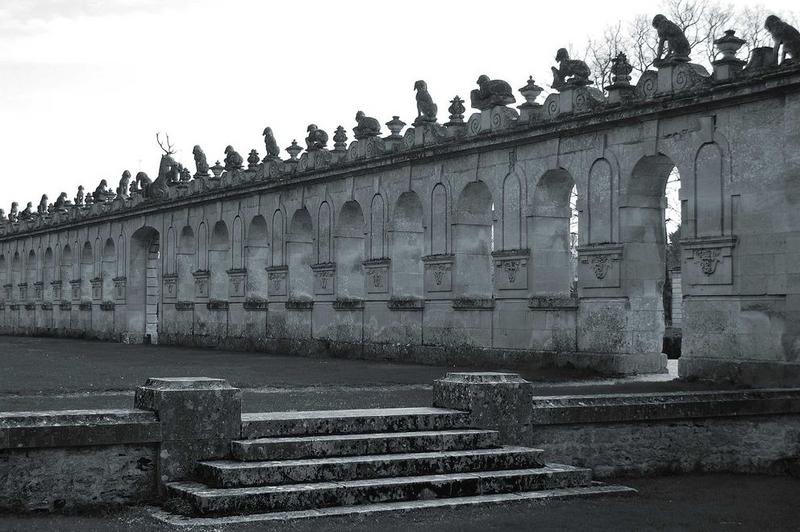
(297, 447)
(209, 501)
(304, 464)
(232, 474)
(351, 421)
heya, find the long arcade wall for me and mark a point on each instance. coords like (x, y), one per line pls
(452, 242)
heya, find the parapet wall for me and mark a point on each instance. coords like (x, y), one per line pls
(453, 242)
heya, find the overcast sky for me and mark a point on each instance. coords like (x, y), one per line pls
(85, 85)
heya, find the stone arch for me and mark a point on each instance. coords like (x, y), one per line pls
(349, 251)
(257, 251)
(708, 191)
(122, 254)
(511, 213)
(144, 286)
(407, 245)
(472, 241)
(219, 261)
(440, 215)
(277, 238)
(300, 254)
(600, 203)
(377, 228)
(48, 272)
(549, 235)
(31, 271)
(65, 269)
(16, 275)
(184, 262)
(324, 232)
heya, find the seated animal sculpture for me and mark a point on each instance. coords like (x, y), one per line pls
(491, 93)
(271, 145)
(79, 197)
(42, 208)
(367, 126)
(783, 34)
(13, 216)
(200, 162)
(101, 192)
(233, 161)
(27, 213)
(669, 33)
(426, 109)
(61, 202)
(317, 139)
(124, 183)
(570, 72)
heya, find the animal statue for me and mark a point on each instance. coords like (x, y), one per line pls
(233, 161)
(13, 216)
(576, 70)
(2, 216)
(783, 34)
(317, 139)
(101, 192)
(491, 93)
(79, 197)
(669, 33)
(426, 109)
(27, 213)
(273, 151)
(42, 208)
(200, 162)
(143, 182)
(61, 202)
(367, 126)
(124, 183)
(186, 175)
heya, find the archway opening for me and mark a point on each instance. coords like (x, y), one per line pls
(144, 286)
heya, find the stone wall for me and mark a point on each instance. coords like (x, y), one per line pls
(755, 431)
(455, 238)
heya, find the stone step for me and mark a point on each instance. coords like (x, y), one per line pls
(266, 424)
(297, 447)
(207, 501)
(510, 500)
(233, 474)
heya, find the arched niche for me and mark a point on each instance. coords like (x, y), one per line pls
(184, 264)
(86, 271)
(377, 229)
(511, 214)
(237, 247)
(300, 254)
(349, 251)
(600, 203)
(439, 227)
(257, 252)
(202, 247)
(407, 245)
(324, 233)
(549, 236)
(108, 268)
(219, 261)
(277, 239)
(143, 297)
(472, 241)
(65, 270)
(708, 190)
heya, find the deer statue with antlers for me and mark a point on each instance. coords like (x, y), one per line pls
(169, 171)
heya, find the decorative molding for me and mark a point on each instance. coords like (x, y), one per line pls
(217, 304)
(201, 278)
(511, 269)
(107, 306)
(65, 305)
(324, 278)
(120, 287)
(473, 303)
(599, 265)
(170, 282)
(406, 303)
(46, 306)
(183, 306)
(85, 305)
(237, 280)
(708, 260)
(377, 275)
(553, 303)
(438, 272)
(277, 281)
(256, 304)
(343, 303)
(299, 304)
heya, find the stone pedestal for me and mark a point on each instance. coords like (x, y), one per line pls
(199, 417)
(679, 77)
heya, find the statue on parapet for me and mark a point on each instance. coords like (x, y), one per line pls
(101, 193)
(42, 208)
(783, 34)
(233, 161)
(61, 203)
(317, 139)
(491, 93)
(80, 197)
(124, 184)
(669, 33)
(200, 162)
(367, 126)
(570, 72)
(142, 183)
(273, 151)
(426, 109)
(27, 213)
(13, 216)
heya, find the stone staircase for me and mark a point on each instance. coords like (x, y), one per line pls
(310, 464)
